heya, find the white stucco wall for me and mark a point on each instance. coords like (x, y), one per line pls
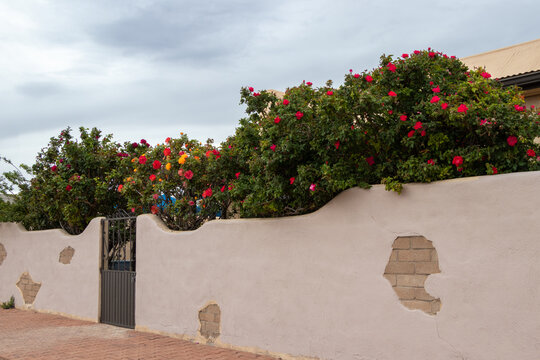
(70, 289)
(313, 285)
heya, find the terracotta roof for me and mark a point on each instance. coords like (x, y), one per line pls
(509, 61)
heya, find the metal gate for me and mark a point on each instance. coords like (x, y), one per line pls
(118, 270)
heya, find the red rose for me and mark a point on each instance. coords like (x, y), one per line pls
(434, 99)
(120, 187)
(285, 102)
(369, 78)
(299, 115)
(237, 175)
(156, 164)
(494, 169)
(458, 161)
(143, 141)
(404, 56)
(134, 145)
(486, 75)
(519, 108)
(431, 54)
(277, 120)
(154, 209)
(152, 177)
(256, 94)
(462, 108)
(436, 89)
(69, 187)
(403, 118)
(191, 203)
(531, 152)
(512, 140)
(273, 147)
(418, 125)
(251, 89)
(444, 106)
(142, 160)
(391, 93)
(391, 67)
(411, 133)
(54, 168)
(370, 160)
(166, 151)
(207, 193)
(291, 180)
(168, 140)
(336, 144)
(223, 188)
(188, 174)
(329, 92)
(356, 76)
(309, 83)
(423, 133)
(416, 52)
(431, 162)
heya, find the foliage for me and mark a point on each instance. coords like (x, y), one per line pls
(8, 304)
(418, 118)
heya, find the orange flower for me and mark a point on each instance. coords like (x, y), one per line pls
(168, 166)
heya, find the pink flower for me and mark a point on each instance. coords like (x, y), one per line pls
(512, 140)
(329, 92)
(291, 180)
(285, 102)
(431, 162)
(369, 78)
(356, 76)
(434, 99)
(152, 177)
(191, 203)
(370, 160)
(391, 93)
(156, 164)
(436, 89)
(155, 196)
(462, 108)
(237, 175)
(483, 122)
(404, 56)
(336, 144)
(277, 119)
(69, 187)
(143, 142)
(486, 75)
(188, 174)
(417, 126)
(54, 168)
(309, 83)
(273, 147)
(531, 152)
(411, 133)
(299, 115)
(403, 118)
(444, 106)
(312, 187)
(458, 161)
(251, 89)
(391, 67)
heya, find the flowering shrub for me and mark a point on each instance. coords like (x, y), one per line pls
(418, 118)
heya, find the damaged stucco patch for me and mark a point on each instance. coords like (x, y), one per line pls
(3, 253)
(28, 287)
(66, 255)
(412, 260)
(210, 318)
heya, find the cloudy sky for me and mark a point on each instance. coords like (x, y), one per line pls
(153, 68)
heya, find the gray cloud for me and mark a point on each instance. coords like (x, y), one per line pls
(40, 89)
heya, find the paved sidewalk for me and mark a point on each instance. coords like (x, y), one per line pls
(32, 335)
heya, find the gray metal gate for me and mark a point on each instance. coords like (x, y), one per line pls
(118, 270)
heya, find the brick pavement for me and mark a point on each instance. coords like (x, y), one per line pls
(31, 335)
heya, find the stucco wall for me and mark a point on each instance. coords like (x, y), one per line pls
(70, 287)
(313, 285)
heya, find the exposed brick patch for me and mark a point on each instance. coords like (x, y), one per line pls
(66, 255)
(28, 287)
(413, 258)
(210, 318)
(3, 253)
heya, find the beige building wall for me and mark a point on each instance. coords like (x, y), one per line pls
(447, 270)
(50, 270)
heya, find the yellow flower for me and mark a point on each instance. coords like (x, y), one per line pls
(168, 166)
(160, 180)
(182, 159)
(134, 170)
(134, 160)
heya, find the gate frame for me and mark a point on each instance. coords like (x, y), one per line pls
(105, 258)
